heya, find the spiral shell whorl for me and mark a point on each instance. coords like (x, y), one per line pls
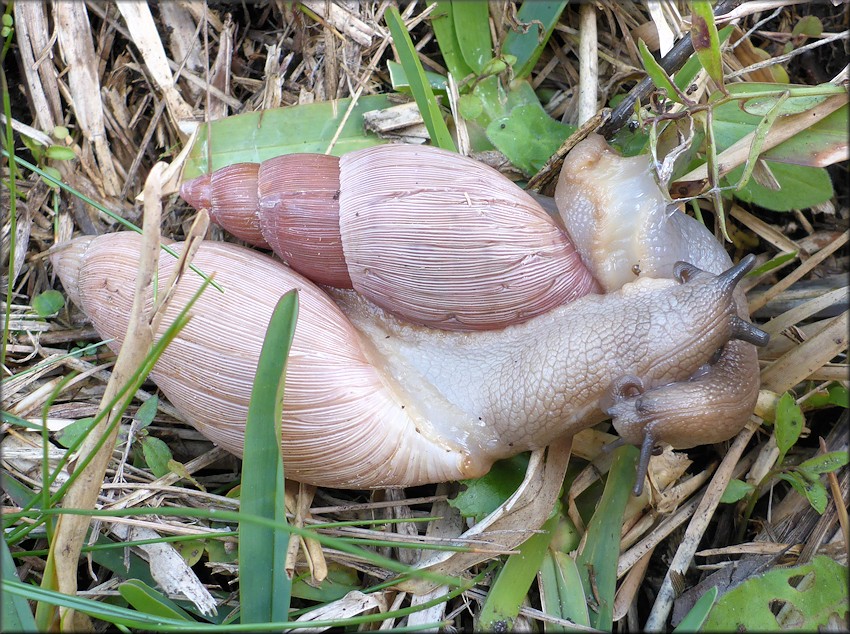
(299, 215)
(445, 241)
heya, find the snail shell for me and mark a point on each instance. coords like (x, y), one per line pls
(374, 400)
(429, 235)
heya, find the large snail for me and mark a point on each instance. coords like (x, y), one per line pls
(475, 329)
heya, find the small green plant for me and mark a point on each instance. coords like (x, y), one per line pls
(805, 476)
(57, 151)
(742, 117)
(499, 107)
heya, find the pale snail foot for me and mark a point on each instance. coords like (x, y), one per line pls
(691, 412)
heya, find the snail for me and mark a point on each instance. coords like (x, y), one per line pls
(465, 328)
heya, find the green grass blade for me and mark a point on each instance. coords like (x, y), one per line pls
(399, 81)
(444, 29)
(253, 137)
(9, 149)
(694, 619)
(759, 138)
(472, 28)
(541, 15)
(511, 586)
(264, 586)
(419, 86)
(597, 562)
(16, 613)
(657, 74)
(561, 590)
(148, 601)
(121, 400)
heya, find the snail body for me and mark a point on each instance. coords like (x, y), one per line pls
(421, 394)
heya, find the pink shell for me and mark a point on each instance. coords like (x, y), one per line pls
(337, 407)
(445, 241)
(299, 215)
(230, 195)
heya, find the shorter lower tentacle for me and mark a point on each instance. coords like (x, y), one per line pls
(711, 407)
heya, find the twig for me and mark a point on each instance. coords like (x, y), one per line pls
(784, 58)
(672, 62)
(696, 529)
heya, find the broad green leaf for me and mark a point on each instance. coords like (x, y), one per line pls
(705, 40)
(149, 601)
(813, 491)
(657, 74)
(838, 395)
(55, 176)
(691, 68)
(18, 492)
(761, 106)
(218, 551)
(799, 187)
(694, 619)
(157, 454)
(340, 581)
(759, 136)
(472, 29)
(597, 560)
(178, 468)
(498, 65)
(264, 587)
(510, 588)
(834, 395)
(821, 145)
(60, 153)
(802, 598)
(788, 424)
(16, 612)
(190, 550)
(483, 495)
(146, 412)
(825, 463)
(470, 106)
(253, 137)
(122, 566)
(808, 25)
(48, 303)
(537, 20)
(736, 490)
(71, 434)
(35, 147)
(528, 136)
(419, 86)
(561, 589)
(442, 21)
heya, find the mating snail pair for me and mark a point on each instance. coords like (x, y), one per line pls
(468, 327)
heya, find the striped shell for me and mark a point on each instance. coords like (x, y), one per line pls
(486, 255)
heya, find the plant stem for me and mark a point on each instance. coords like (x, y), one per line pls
(672, 62)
